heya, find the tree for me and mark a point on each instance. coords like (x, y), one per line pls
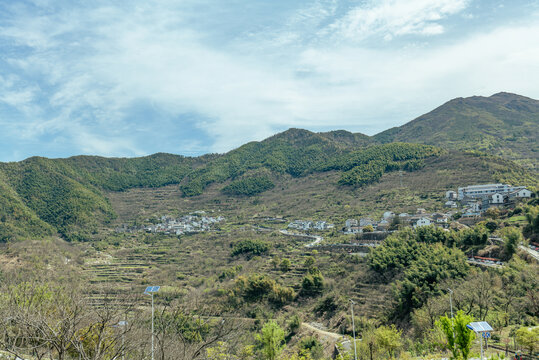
(388, 339)
(512, 237)
(271, 340)
(458, 336)
(368, 228)
(311, 346)
(312, 283)
(528, 337)
(285, 265)
(294, 324)
(309, 262)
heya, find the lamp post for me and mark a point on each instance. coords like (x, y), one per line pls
(150, 290)
(451, 306)
(353, 327)
(122, 324)
(451, 303)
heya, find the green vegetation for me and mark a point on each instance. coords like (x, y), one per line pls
(299, 153)
(459, 337)
(245, 276)
(528, 337)
(249, 186)
(271, 340)
(47, 188)
(119, 174)
(250, 247)
(420, 262)
(504, 125)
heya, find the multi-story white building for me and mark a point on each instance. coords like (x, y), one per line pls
(487, 190)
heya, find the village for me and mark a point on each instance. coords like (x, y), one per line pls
(168, 225)
(192, 223)
(467, 205)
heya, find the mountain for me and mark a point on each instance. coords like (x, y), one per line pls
(503, 124)
(74, 197)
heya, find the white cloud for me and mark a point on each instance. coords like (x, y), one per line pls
(98, 64)
(395, 17)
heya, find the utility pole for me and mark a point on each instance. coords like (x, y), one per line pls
(451, 306)
(353, 327)
(150, 290)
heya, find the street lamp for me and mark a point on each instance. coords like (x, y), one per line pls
(122, 324)
(353, 327)
(150, 290)
(451, 306)
(451, 303)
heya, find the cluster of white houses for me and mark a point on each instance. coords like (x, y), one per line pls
(473, 199)
(476, 199)
(420, 218)
(184, 224)
(310, 225)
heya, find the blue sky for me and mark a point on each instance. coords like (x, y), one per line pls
(131, 78)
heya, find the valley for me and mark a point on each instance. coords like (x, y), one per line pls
(270, 237)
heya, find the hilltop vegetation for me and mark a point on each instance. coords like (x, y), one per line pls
(503, 124)
(68, 196)
(40, 197)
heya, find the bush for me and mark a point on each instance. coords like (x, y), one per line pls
(252, 247)
(259, 287)
(249, 186)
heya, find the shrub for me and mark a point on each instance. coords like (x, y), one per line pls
(252, 247)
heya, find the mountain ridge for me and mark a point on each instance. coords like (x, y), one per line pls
(69, 195)
(503, 124)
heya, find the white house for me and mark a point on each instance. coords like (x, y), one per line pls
(350, 222)
(486, 190)
(475, 207)
(388, 215)
(451, 195)
(422, 222)
(524, 193)
(365, 222)
(440, 218)
(497, 198)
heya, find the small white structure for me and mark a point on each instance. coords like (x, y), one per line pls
(451, 195)
(422, 222)
(388, 215)
(440, 218)
(365, 222)
(350, 222)
(524, 193)
(497, 198)
(450, 204)
(475, 207)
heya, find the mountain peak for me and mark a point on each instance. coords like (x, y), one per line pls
(491, 124)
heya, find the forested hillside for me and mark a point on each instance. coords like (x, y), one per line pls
(41, 196)
(503, 124)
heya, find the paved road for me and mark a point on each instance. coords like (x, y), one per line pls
(317, 239)
(480, 263)
(532, 252)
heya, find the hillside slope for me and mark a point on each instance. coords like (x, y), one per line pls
(40, 197)
(503, 124)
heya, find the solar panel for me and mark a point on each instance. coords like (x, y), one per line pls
(152, 289)
(480, 326)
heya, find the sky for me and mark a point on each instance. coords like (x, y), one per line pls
(136, 77)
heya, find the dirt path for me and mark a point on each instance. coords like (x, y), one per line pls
(331, 335)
